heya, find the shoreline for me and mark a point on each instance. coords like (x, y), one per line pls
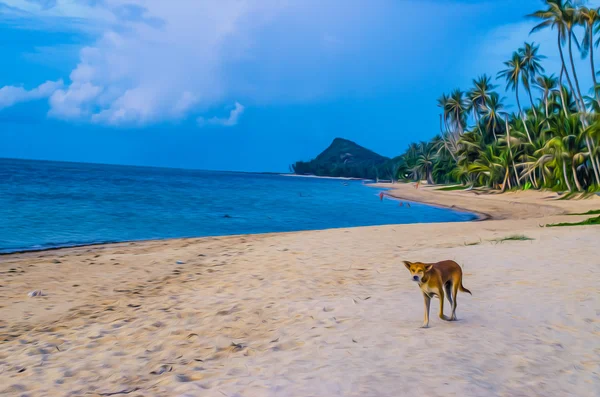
(479, 217)
(398, 191)
(253, 314)
(325, 177)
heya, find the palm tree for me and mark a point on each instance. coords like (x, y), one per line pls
(556, 16)
(566, 144)
(479, 95)
(571, 18)
(442, 102)
(457, 109)
(590, 17)
(514, 73)
(531, 67)
(493, 113)
(425, 161)
(547, 84)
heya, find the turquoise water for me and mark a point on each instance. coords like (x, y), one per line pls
(51, 204)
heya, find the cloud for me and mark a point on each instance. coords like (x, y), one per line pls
(154, 62)
(232, 120)
(12, 95)
(150, 61)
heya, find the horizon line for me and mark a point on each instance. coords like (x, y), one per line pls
(147, 166)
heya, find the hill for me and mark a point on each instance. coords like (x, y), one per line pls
(344, 158)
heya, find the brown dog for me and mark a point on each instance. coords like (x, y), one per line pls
(434, 279)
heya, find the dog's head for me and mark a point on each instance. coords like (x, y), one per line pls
(417, 270)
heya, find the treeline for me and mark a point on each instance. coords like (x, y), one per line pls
(553, 143)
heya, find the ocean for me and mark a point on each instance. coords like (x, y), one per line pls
(47, 204)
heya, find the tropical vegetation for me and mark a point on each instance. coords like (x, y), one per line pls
(551, 141)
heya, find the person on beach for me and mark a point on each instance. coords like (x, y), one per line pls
(381, 196)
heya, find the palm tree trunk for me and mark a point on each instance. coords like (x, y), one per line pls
(562, 59)
(564, 167)
(518, 102)
(476, 115)
(591, 33)
(521, 113)
(531, 101)
(510, 151)
(560, 91)
(544, 177)
(580, 97)
(505, 180)
(527, 130)
(574, 170)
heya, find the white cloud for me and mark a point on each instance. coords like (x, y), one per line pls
(12, 95)
(154, 62)
(232, 120)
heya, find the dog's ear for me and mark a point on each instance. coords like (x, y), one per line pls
(428, 267)
(407, 264)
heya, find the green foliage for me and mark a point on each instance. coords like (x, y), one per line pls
(553, 144)
(592, 212)
(587, 222)
(344, 158)
(515, 237)
(452, 188)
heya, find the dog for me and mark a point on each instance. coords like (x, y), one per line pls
(438, 280)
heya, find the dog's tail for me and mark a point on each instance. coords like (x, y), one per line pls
(463, 289)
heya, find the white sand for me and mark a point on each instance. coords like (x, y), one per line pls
(325, 313)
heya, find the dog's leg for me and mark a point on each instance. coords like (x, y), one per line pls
(441, 296)
(454, 295)
(427, 304)
(448, 289)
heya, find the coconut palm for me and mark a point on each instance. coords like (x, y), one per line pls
(512, 74)
(492, 114)
(425, 162)
(479, 95)
(457, 109)
(547, 84)
(589, 18)
(556, 16)
(531, 67)
(566, 144)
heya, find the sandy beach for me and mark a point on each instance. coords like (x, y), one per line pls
(319, 313)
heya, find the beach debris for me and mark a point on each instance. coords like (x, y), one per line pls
(237, 346)
(327, 309)
(56, 261)
(180, 262)
(162, 369)
(124, 391)
(182, 378)
(133, 305)
(35, 293)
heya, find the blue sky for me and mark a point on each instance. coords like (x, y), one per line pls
(241, 85)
